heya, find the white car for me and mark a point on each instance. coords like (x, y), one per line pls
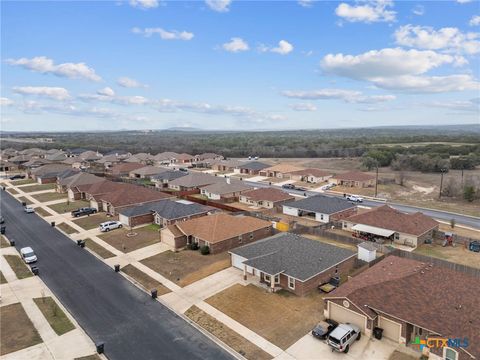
(110, 225)
(28, 255)
(354, 198)
(29, 209)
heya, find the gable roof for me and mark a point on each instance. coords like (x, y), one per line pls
(148, 170)
(268, 194)
(283, 168)
(50, 169)
(229, 163)
(100, 187)
(386, 217)
(167, 209)
(254, 165)
(166, 155)
(311, 172)
(195, 180)
(218, 227)
(354, 176)
(292, 255)
(131, 195)
(184, 156)
(56, 156)
(80, 178)
(223, 187)
(169, 175)
(321, 204)
(125, 167)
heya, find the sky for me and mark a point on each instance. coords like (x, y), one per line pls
(238, 65)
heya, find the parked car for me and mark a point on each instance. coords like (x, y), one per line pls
(288, 186)
(83, 211)
(354, 198)
(29, 209)
(110, 225)
(16, 177)
(324, 328)
(183, 169)
(300, 188)
(327, 186)
(28, 255)
(343, 336)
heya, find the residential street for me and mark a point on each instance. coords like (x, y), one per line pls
(107, 306)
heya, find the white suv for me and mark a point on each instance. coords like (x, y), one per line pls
(28, 255)
(343, 336)
(110, 225)
(354, 198)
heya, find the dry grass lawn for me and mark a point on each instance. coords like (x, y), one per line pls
(2, 279)
(4, 242)
(473, 234)
(66, 228)
(282, 318)
(397, 355)
(49, 196)
(331, 241)
(25, 200)
(55, 316)
(186, 267)
(39, 187)
(98, 249)
(69, 206)
(227, 335)
(457, 254)
(146, 281)
(12, 191)
(93, 221)
(18, 266)
(16, 329)
(89, 357)
(42, 212)
(23, 182)
(120, 239)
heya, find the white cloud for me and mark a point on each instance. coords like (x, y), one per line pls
(472, 105)
(105, 95)
(130, 83)
(448, 39)
(164, 34)
(303, 107)
(235, 45)
(56, 93)
(418, 10)
(306, 3)
(367, 11)
(45, 65)
(283, 48)
(5, 101)
(475, 20)
(144, 4)
(428, 84)
(219, 5)
(107, 91)
(464, 1)
(348, 96)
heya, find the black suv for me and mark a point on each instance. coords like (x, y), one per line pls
(83, 211)
(16, 177)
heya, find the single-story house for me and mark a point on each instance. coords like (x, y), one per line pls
(68, 184)
(412, 301)
(227, 165)
(225, 189)
(353, 179)
(142, 158)
(252, 167)
(220, 232)
(293, 263)
(56, 156)
(208, 156)
(161, 180)
(165, 158)
(76, 162)
(108, 161)
(48, 173)
(21, 159)
(320, 208)
(123, 169)
(184, 158)
(388, 223)
(265, 197)
(279, 171)
(35, 163)
(34, 152)
(163, 213)
(90, 156)
(89, 191)
(6, 165)
(146, 172)
(193, 181)
(313, 176)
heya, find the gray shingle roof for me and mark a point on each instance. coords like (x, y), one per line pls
(167, 209)
(321, 204)
(223, 187)
(254, 165)
(169, 175)
(292, 255)
(195, 180)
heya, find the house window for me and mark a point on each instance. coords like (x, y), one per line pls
(344, 224)
(291, 283)
(397, 236)
(240, 238)
(277, 279)
(449, 354)
(266, 277)
(251, 236)
(321, 216)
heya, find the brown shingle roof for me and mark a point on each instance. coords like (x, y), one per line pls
(313, 172)
(217, 227)
(354, 176)
(132, 195)
(125, 167)
(283, 168)
(386, 217)
(268, 194)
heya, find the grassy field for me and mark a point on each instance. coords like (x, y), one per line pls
(146, 281)
(38, 187)
(186, 267)
(66, 228)
(474, 234)
(121, 239)
(16, 329)
(227, 335)
(457, 254)
(49, 196)
(54, 315)
(69, 206)
(18, 266)
(98, 249)
(23, 182)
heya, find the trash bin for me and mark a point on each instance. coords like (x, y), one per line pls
(12, 242)
(154, 293)
(35, 270)
(2, 230)
(52, 223)
(100, 347)
(378, 333)
(24, 203)
(116, 267)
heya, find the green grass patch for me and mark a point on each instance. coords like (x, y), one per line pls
(39, 187)
(23, 182)
(42, 212)
(55, 316)
(12, 191)
(49, 196)
(98, 249)
(18, 266)
(2, 278)
(69, 206)
(66, 228)
(4, 242)
(152, 227)
(25, 200)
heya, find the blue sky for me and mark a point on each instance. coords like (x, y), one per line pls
(151, 64)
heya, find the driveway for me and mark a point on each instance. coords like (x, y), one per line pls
(106, 305)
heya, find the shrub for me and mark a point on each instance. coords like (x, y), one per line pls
(205, 250)
(193, 246)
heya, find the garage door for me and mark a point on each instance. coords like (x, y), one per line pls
(237, 262)
(344, 315)
(124, 220)
(391, 329)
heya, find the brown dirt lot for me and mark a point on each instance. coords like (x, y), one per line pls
(93, 221)
(227, 335)
(146, 281)
(186, 267)
(118, 238)
(39, 187)
(49, 196)
(282, 317)
(17, 330)
(457, 254)
(69, 206)
(98, 249)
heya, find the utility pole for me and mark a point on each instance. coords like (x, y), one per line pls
(442, 171)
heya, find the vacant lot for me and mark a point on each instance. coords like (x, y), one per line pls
(130, 240)
(49, 196)
(18, 266)
(23, 182)
(42, 212)
(54, 315)
(12, 191)
(93, 221)
(16, 329)
(4, 242)
(69, 206)
(145, 280)
(227, 335)
(98, 249)
(186, 267)
(38, 187)
(282, 318)
(457, 254)
(25, 200)
(66, 228)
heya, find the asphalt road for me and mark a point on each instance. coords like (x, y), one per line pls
(467, 220)
(106, 305)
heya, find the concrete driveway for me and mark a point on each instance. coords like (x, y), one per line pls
(308, 348)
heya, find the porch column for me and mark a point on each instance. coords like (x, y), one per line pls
(244, 272)
(272, 283)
